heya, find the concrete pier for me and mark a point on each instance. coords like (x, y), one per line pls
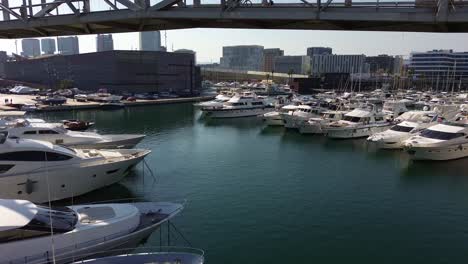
(72, 104)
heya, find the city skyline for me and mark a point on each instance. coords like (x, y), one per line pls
(209, 47)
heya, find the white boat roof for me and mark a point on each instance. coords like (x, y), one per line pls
(289, 107)
(416, 115)
(359, 113)
(16, 213)
(11, 113)
(446, 128)
(408, 124)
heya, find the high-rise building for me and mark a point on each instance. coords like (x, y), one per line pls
(31, 47)
(292, 64)
(269, 56)
(381, 63)
(244, 57)
(48, 46)
(150, 41)
(104, 42)
(321, 64)
(318, 51)
(68, 45)
(439, 66)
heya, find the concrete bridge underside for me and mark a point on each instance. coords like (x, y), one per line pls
(443, 16)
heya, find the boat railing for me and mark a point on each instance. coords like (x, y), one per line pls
(66, 254)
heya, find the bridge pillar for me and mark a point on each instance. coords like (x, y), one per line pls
(442, 10)
(6, 15)
(86, 6)
(143, 3)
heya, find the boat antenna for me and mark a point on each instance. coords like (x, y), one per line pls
(50, 208)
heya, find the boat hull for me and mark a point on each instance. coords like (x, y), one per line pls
(358, 132)
(307, 128)
(438, 153)
(273, 119)
(65, 181)
(233, 113)
(113, 142)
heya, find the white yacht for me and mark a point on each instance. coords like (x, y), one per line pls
(244, 105)
(357, 123)
(31, 233)
(301, 115)
(314, 125)
(275, 118)
(40, 171)
(394, 108)
(439, 142)
(166, 255)
(219, 100)
(57, 134)
(409, 124)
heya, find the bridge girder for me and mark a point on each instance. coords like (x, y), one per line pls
(173, 14)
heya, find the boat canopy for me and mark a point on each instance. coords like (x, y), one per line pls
(359, 113)
(446, 128)
(16, 213)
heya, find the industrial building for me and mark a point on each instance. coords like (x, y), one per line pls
(381, 64)
(68, 45)
(269, 56)
(118, 71)
(31, 47)
(187, 51)
(48, 46)
(150, 41)
(321, 64)
(319, 51)
(104, 42)
(293, 64)
(244, 57)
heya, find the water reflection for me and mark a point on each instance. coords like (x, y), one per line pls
(112, 192)
(449, 168)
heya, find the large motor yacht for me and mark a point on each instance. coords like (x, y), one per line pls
(275, 118)
(31, 233)
(301, 115)
(57, 134)
(40, 171)
(394, 108)
(358, 123)
(245, 105)
(439, 142)
(314, 125)
(409, 124)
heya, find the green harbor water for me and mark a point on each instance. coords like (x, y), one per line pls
(266, 195)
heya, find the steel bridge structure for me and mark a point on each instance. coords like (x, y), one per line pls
(77, 17)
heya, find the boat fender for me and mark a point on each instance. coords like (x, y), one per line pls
(29, 186)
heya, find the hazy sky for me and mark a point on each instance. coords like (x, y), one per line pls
(208, 42)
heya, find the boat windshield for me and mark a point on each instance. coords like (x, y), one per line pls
(353, 119)
(401, 128)
(55, 219)
(440, 135)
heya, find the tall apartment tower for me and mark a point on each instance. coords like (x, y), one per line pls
(104, 42)
(31, 47)
(150, 40)
(68, 45)
(48, 46)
